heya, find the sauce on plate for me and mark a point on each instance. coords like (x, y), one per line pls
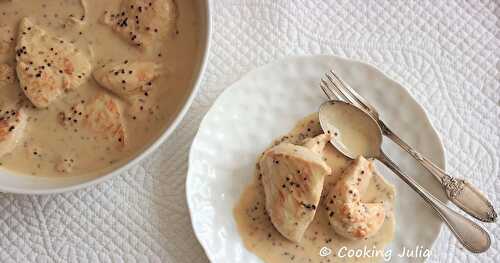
(350, 130)
(320, 243)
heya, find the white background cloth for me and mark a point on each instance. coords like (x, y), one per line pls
(446, 53)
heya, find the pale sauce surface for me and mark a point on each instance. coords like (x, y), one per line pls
(352, 131)
(261, 238)
(45, 143)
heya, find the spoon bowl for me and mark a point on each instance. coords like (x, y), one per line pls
(355, 133)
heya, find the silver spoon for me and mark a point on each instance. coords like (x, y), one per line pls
(356, 133)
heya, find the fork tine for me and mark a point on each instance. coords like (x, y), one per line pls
(336, 94)
(338, 85)
(346, 89)
(333, 86)
(327, 91)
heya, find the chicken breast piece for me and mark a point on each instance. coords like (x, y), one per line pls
(348, 215)
(6, 39)
(100, 117)
(293, 178)
(142, 22)
(10, 94)
(317, 144)
(12, 125)
(127, 78)
(13, 117)
(47, 66)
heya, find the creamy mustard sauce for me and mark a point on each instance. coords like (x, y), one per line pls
(352, 131)
(45, 143)
(261, 238)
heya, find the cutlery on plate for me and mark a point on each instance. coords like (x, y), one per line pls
(462, 193)
(362, 127)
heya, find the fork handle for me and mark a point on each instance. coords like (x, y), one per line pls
(472, 236)
(460, 192)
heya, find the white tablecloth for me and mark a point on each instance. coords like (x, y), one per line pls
(445, 52)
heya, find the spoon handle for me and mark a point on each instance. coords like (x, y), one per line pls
(463, 194)
(472, 236)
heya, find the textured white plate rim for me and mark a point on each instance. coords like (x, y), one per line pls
(168, 131)
(226, 91)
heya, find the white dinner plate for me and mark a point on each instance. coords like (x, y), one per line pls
(265, 104)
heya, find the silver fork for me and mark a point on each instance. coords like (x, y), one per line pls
(460, 192)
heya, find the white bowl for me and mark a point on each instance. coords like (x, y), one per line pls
(26, 184)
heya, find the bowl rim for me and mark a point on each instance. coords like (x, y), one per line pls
(206, 44)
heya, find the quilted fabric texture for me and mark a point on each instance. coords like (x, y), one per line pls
(445, 52)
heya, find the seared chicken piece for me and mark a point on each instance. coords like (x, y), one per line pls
(348, 216)
(317, 144)
(12, 117)
(6, 39)
(12, 124)
(47, 66)
(100, 117)
(141, 22)
(10, 94)
(293, 177)
(127, 78)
